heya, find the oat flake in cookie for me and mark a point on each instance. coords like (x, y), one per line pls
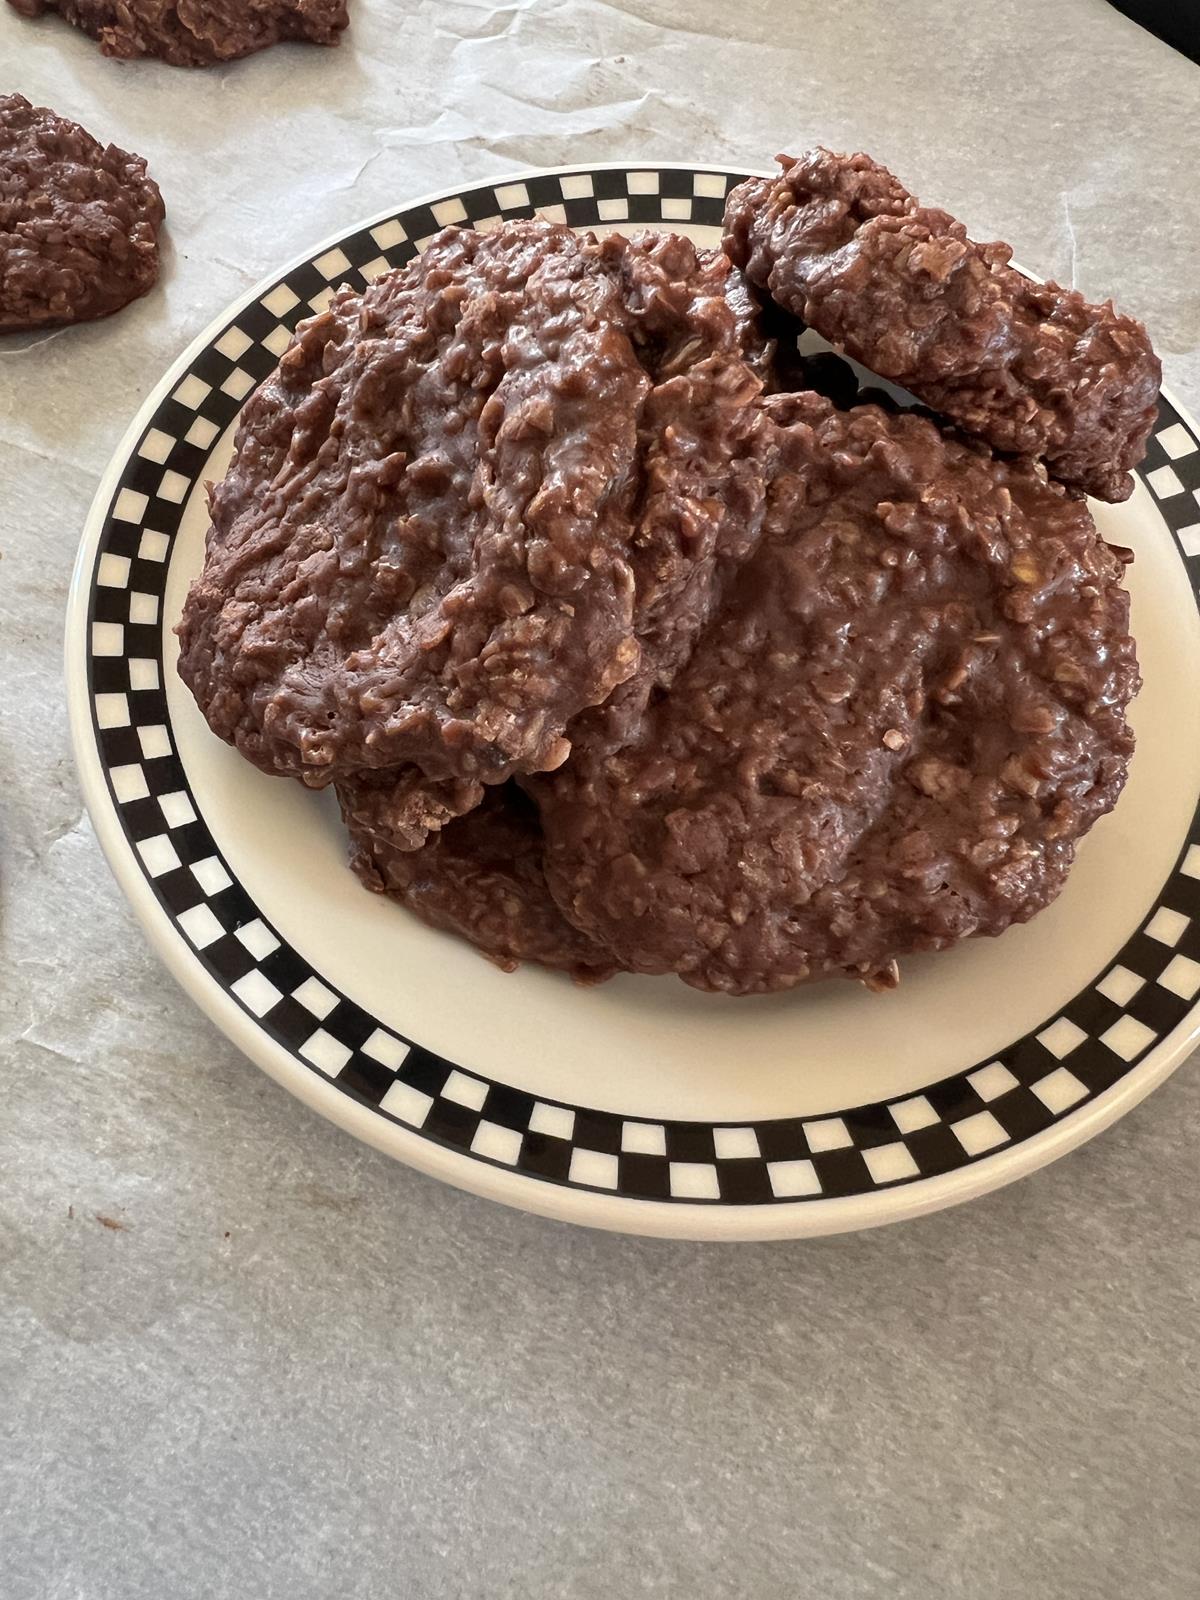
(196, 33)
(79, 221)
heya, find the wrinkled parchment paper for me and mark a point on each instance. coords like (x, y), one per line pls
(241, 1355)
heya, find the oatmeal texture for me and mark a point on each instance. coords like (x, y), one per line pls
(482, 877)
(196, 33)
(905, 711)
(420, 553)
(79, 221)
(1030, 368)
(425, 557)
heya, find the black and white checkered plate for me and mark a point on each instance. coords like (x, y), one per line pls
(641, 1104)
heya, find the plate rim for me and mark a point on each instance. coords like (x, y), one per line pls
(680, 1219)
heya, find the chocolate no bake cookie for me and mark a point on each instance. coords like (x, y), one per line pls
(196, 33)
(458, 504)
(906, 709)
(1030, 368)
(79, 221)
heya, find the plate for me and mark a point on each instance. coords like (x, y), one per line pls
(640, 1105)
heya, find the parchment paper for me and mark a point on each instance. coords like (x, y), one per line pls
(242, 1356)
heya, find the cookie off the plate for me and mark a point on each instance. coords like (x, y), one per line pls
(198, 33)
(79, 221)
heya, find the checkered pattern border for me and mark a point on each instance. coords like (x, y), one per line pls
(1091, 1043)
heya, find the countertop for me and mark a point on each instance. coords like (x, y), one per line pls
(242, 1356)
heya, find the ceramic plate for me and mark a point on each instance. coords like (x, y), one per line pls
(642, 1104)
